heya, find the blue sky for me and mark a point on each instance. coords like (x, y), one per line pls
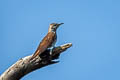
(93, 26)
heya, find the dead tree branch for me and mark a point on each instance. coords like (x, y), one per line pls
(23, 66)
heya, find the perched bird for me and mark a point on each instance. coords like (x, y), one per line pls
(48, 41)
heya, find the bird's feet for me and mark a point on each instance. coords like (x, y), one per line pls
(51, 51)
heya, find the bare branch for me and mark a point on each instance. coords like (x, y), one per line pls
(24, 66)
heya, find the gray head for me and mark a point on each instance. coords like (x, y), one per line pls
(53, 27)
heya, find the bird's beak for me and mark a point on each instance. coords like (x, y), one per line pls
(60, 24)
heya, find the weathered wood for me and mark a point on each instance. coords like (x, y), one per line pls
(23, 66)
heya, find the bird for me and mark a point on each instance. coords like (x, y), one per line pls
(48, 42)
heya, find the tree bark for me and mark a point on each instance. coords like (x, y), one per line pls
(24, 66)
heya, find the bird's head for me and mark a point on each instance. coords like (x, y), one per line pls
(53, 27)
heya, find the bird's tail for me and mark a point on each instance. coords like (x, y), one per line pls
(33, 56)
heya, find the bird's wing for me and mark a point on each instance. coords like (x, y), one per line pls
(44, 44)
